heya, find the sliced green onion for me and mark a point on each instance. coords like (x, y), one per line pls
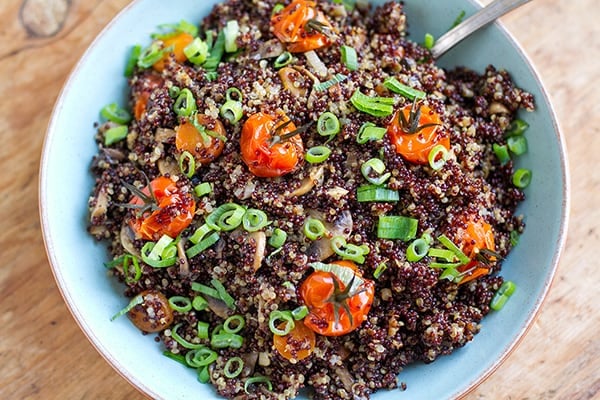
(377, 166)
(517, 144)
(459, 18)
(199, 303)
(150, 55)
(132, 61)
(275, 319)
(437, 157)
(159, 247)
(203, 374)
(348, 251)
(202, 189)
(234, 94)
(278, 238)
(501, 152)
(187, 164)
(375, 106)
(185, 104)
(231, 32)
(397, 227)
(223, 295)
(134, 302)
(349, 57)
(116, 114)
(202, 245)
(277, 8)
(514, 238)
(200, 233)
(127, 259)
(226, 217)
(203, 329)
(333, 81)
(174, 91)
(395, 86)
(238, 324)
(317, 154)
(180, 303)
(328, 124)
(254, 220)
(115, 134)
(501, 296)
(229, 371)
(232, 111)
(462, 257)
(283, 59)
(206, 290)
(376, 193)
(211, 76)
(521, 178)
(444, 265)
(258, 379)
(379, 270)
(204, 356)
(154, 260)
(197, 51)
(299, 313)
(417, 250)
(182, 27)
(369, 132)
(182, 341)
(224, 340)
(517, 127)
(175, 357)
(444, 254)
(429, 41)
(216, 53)
(450, 274)
(314, 229)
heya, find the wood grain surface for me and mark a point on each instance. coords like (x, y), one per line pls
(43, 353)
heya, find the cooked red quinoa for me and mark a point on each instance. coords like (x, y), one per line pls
(415, 315)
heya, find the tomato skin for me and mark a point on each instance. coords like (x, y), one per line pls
(318, 293)
(151, 82)
(178, 42)
(188, 138)
(415, 147)
(264, 159)
(289, 26)
(477, 235)
(175, 211)
(161, 318)
(296, 345)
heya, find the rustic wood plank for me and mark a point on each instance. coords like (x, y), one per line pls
(44, 355)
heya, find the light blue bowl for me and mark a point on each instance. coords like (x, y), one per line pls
(77, 260)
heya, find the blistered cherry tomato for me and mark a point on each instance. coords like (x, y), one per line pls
(333, 310)
(476, 236)
(415, 146)
(173, 210)
(298, 344)
(177, 42)
(300, 26)
(204, 146)
(266, 149)
(153, 314)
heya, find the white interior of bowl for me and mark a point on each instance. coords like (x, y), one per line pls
(92, 298)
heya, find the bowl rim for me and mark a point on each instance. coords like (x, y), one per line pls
(141, 386)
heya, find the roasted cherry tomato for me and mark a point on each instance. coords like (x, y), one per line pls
(178, 42)
(414, 141)
(476, 236)
(205, 146)
(168, 212)
(296, 345)
(333, 309)
(301, 27)
(153, 314)
(268, 146)
(151, 81)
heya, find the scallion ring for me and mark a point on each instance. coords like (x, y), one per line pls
(203, 328)
(417, 250)
(349, 57)
(234, 324)
(234, 94)
(369, 132)
(182, 341)
(429, 41)
(197, 51)
(132, 61)
(187, 164)
(150, 55)
(328, 124)
(521, 178)
(314, 229)
(379, 270)
(229, 371)
(348, 251)
(299, 312)
(283, 59)
(378, 167)
(199, 303)
(437, 157)
(203, 374)
(444, 254)
(202, 245)
(224, 340)
(115, 134)
(180, 304)
(185, 104)
(501, 152)
(276, 318)
(132, 303)
(231, 32)
(317, 154)
(517, 145)
(204, 356)
(517, 127)
(116, 114)
(232, 111)
(501, 296)
(375, 106)
(462, 257)
(278, 238)
(258, 379)
(254, 220)
(137, 270)
(202, 189)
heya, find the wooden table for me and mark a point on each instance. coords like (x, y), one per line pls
(44, 355)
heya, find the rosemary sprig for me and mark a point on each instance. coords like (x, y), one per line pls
(411, 125)
(149, 202)
(314, 24)
(277, 138)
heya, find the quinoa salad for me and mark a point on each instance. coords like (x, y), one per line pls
(297, 198)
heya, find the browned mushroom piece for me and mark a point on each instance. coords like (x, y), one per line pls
(260, 242)
(321, 249)
(315, 177)
(153, 314)
(127, 237)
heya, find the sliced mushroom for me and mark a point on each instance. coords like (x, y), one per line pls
(263, 359)
(498, 108)
(168, 166)
(260, 241)
(100, 207)
(270, 48)
(127, 238)
(342, 226)
(218, 307)
(345, 378)
(163, 135)
(315, 177)
(312, 58)
(250, 360)
(184, 265)
(294, 81)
